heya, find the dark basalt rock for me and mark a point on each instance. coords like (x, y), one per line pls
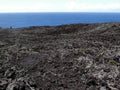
(66, 57)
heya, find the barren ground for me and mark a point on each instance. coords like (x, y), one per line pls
(66, 57)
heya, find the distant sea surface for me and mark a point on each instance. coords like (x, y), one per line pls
(18, 20)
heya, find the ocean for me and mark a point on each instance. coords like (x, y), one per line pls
(17, 20)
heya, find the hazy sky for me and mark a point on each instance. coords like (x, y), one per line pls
(59, 5)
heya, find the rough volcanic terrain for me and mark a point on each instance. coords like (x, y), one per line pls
(66, 57)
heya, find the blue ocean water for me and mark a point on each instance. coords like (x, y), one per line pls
(17, 20)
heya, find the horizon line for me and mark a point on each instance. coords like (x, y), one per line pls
(59, 12)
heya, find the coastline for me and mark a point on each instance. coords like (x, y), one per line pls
(19, 20)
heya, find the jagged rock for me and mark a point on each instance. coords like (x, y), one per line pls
(19, 84)
(2, 44)
(67, 57)
(10, 73)
(16, 85)
(3, 84)
(103, 88)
